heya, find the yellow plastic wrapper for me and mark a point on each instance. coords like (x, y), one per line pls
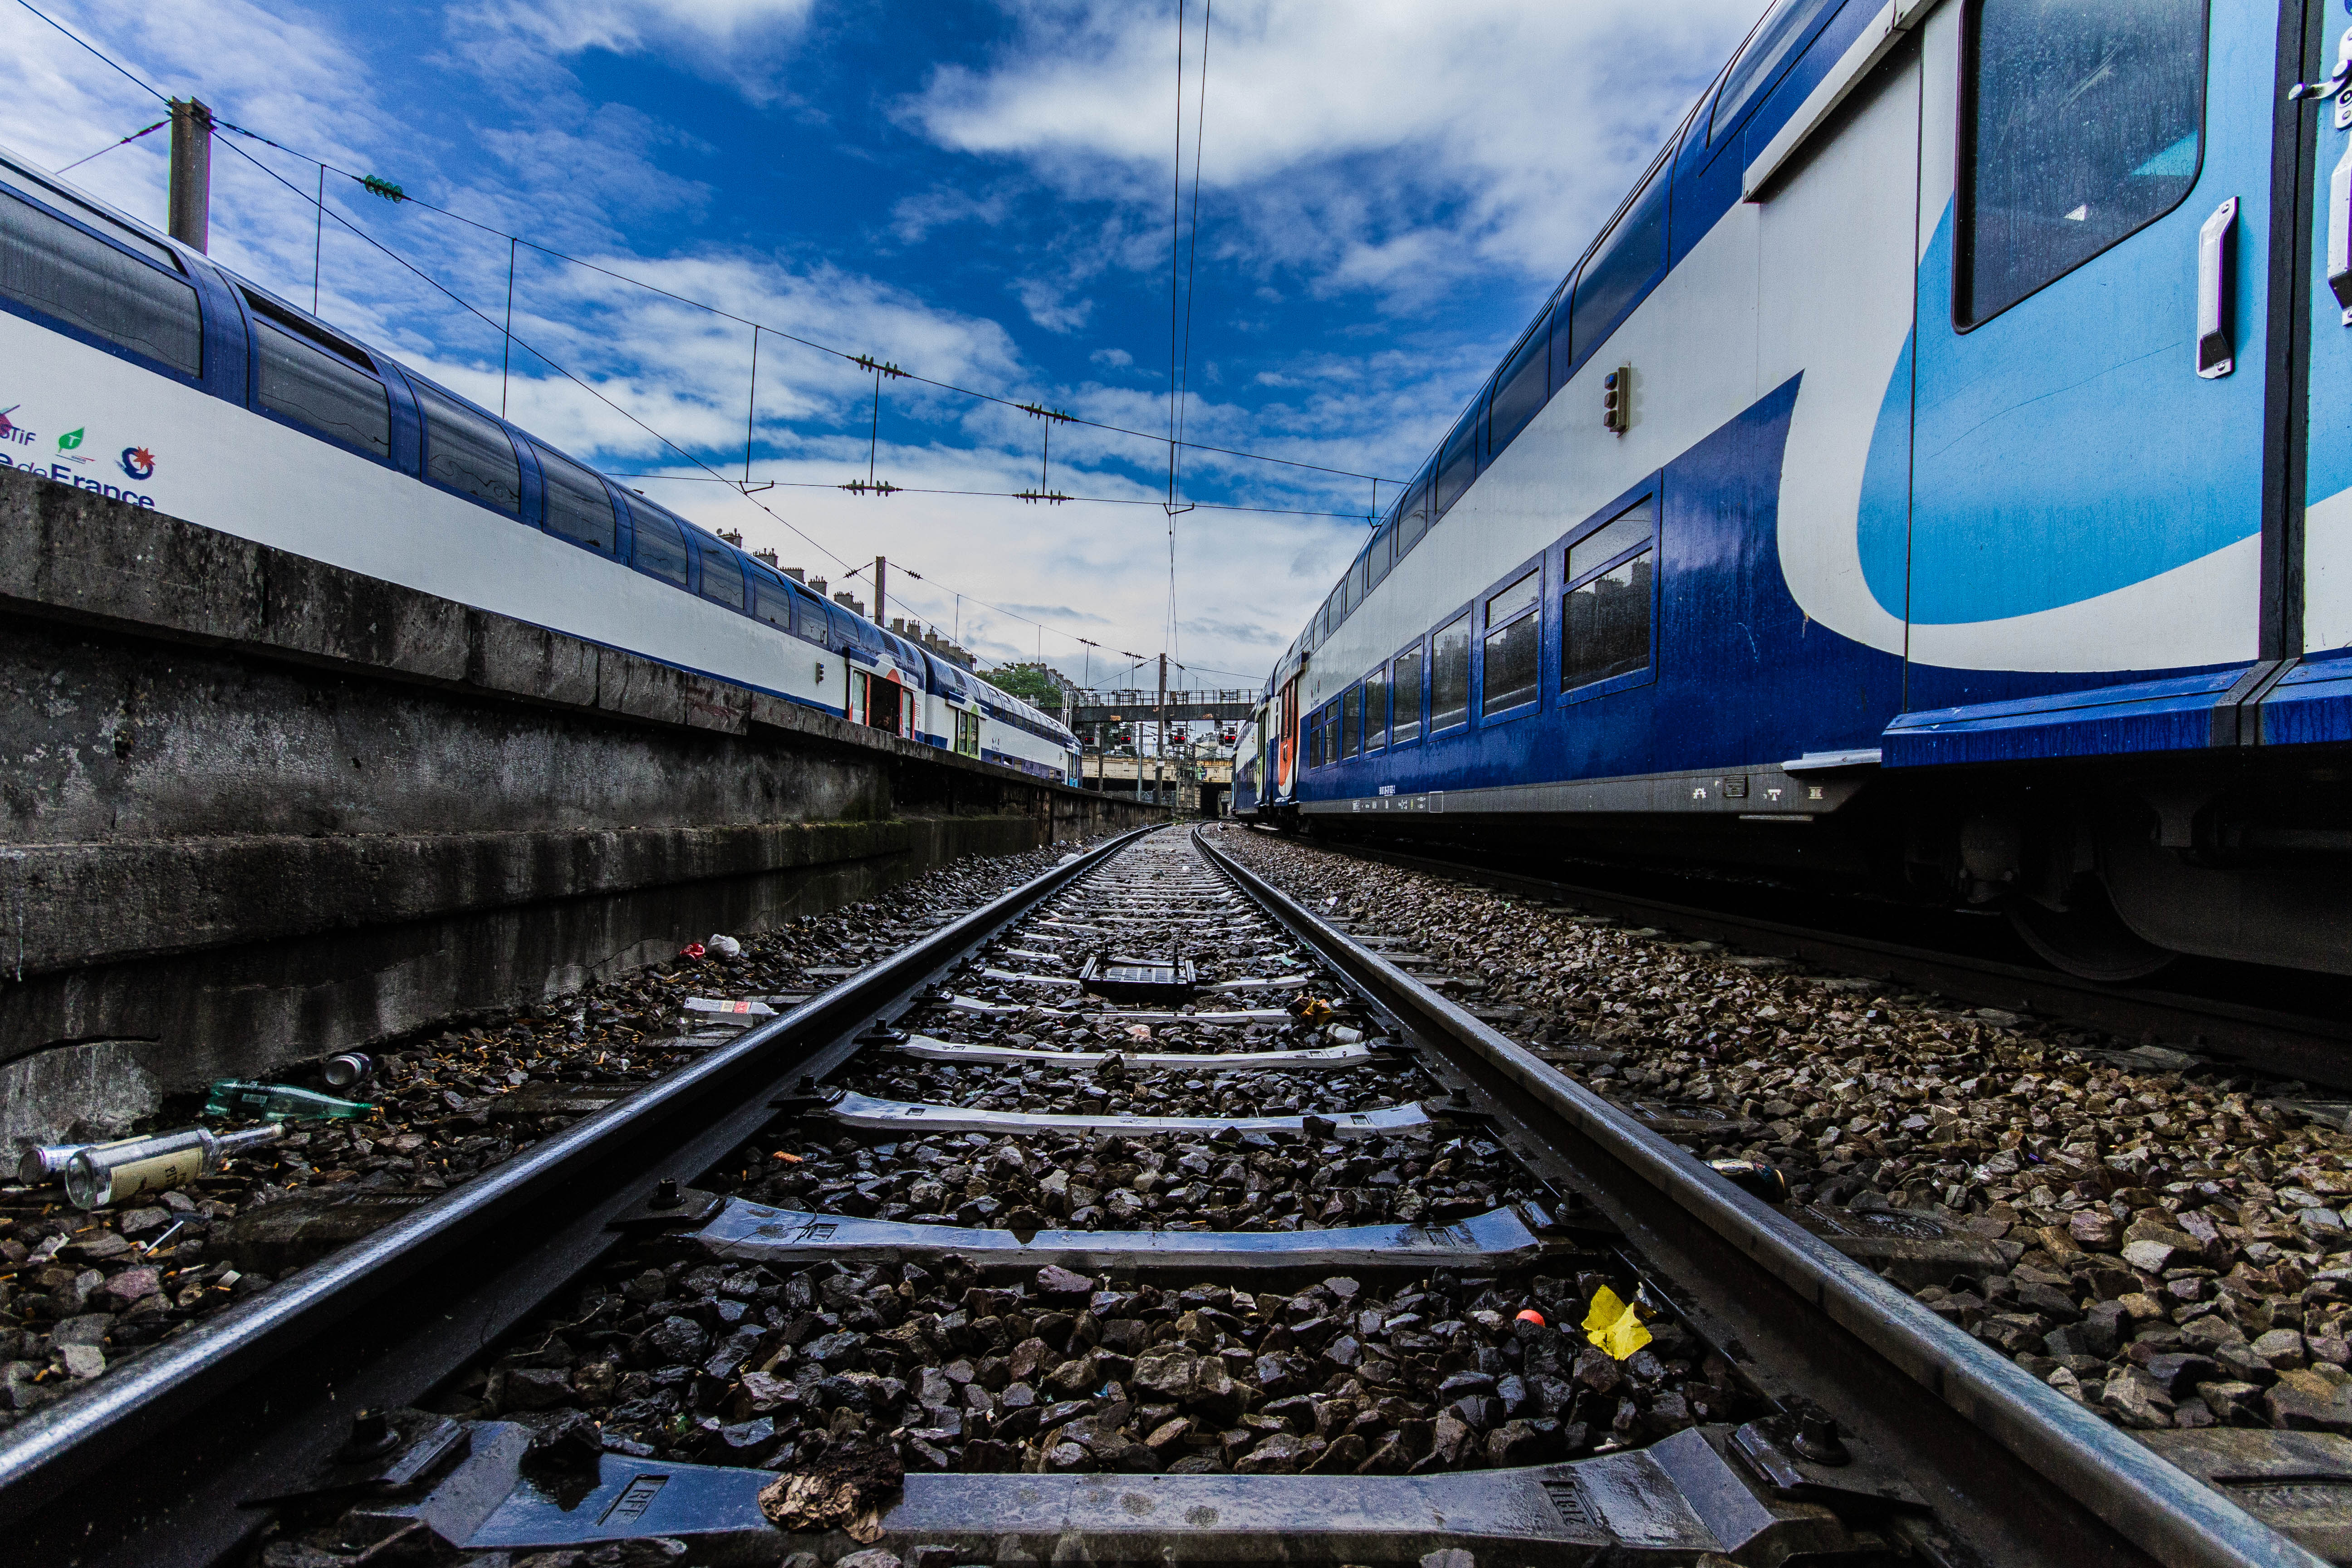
(1615, 1326)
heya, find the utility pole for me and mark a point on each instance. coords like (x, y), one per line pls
(880, 566)
(190, 217)
(1160, 736)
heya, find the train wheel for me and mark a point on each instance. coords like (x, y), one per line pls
(2088, 938)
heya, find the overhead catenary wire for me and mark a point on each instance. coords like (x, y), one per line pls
(1180, 383)
(110, 146)
(1005, 495)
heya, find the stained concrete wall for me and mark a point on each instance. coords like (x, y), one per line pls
(255, 808)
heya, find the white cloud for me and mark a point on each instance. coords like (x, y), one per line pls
(1390, 145)
(741, 40)
(1118, 359)
(1048, 307)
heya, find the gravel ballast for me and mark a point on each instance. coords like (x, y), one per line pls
(2175, 1233)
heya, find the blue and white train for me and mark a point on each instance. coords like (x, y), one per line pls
(136, 367)
(1937, 475)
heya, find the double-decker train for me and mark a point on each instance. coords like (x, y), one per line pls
(137, 367)
(1936, 477)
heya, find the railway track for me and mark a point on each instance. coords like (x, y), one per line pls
(1140, 1214)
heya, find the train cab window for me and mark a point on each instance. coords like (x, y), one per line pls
(1405, 682)
(1605, 612)
(2083, 123)
(467, 451)
(578, 507)
(1524, 385)
(1773, 45)
(1513, 644)
(1622, 264)
(324, 391)
(660, 546)
(48, 265)
(1351, 723)
(1449, 675)
(722, 574)
(1457, 461)
(1376, 709)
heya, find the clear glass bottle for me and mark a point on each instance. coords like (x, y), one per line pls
(278, 1101)
(105, 1173)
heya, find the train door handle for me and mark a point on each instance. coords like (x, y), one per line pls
(2339, 232)
(2215, 352)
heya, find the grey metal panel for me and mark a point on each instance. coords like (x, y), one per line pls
(866, 1112)
(1495, 1238)
(1326, 1059)
(1767, 791)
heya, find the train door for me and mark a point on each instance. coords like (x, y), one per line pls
(1283, 742)
(2325, 623)
(2087, 366)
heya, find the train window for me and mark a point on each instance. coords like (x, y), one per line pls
(1405, 672)
(1457, 461)
(49, 266)
(773, 604)
(1383, 550)
(468, 452)
(1412, 518)
(302, 326)
(1524, 385)
(1360, 579)
(307, 384)
(1514, 633)
(122, 233)
(1376, 709)
(1449, 675)
(1562, 340)
(1605, 614)
(578, 507)
(808, 619)
(1351, 723)
(2083, 123)
(723, 574)
(1773, 45)
(660, 546)
(1623, 265)
(1612, 539)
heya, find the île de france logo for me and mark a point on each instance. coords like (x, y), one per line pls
(138, 462)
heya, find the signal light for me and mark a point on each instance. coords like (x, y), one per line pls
(1617, 399)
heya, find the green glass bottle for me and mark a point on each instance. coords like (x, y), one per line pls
(244, 1099)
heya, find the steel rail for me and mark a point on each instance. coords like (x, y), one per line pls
(2161, 1510)
(151, 1465)
(2298, 1045)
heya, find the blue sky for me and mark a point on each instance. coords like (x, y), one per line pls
(979, 193)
